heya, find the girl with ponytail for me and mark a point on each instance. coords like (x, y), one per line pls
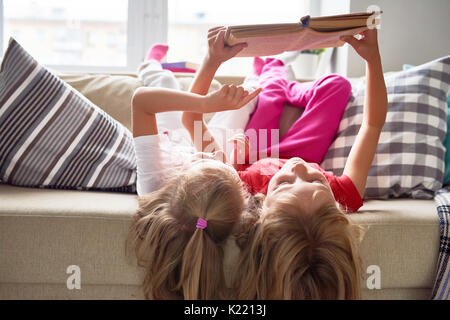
(190, 196)
(181, 230)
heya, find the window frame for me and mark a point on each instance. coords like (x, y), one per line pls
(143, 15)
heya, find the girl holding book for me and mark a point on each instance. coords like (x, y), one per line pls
(301, 245)
(190, 201)
(296, 241)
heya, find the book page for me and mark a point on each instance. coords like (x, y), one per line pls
(315, 40)
(302, 40)
(269, 45)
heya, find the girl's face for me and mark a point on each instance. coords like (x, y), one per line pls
(307, 184)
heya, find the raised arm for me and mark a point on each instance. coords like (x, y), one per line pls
(147, 102)
(364, 148)
(218, 53)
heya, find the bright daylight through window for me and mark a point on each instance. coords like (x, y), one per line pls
(67, 32)
(88, 34)
(189, 22)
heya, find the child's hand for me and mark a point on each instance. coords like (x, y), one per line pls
(229, 97)
(218, 155)
(367, 47)
(218, 51)
(241, 151)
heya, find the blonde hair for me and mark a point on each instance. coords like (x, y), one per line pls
(290, 254)
(182, 261)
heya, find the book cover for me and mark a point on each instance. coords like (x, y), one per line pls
(309, 33)
(185, 70)
(180, 65)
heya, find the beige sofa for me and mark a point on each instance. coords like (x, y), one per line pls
(43, 232)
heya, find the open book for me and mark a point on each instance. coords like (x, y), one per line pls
(309, 33)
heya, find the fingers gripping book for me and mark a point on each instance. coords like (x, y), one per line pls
(309, 33)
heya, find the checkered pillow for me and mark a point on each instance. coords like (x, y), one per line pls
(410, 157)
(52, 136)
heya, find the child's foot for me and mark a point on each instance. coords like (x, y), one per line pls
(258, 64)
(157, 52)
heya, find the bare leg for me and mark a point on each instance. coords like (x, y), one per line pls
(289, 116)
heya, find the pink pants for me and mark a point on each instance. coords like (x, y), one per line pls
(309, 138)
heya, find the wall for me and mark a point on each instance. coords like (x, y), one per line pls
(340, 54)
(412, 31)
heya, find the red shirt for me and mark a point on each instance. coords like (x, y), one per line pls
(256, 176)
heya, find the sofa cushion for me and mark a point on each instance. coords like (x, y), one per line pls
(410, 157)
(52, 136)
(447, 138)
(402, 238)
(112, 93)
(42, 232)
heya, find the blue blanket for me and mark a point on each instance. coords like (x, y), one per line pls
(441, 289)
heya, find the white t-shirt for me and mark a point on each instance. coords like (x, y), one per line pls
(158, 156)
(162, 155)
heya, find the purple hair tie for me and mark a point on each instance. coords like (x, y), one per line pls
(201, 223)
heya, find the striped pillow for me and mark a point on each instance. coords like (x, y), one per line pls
(52, 136)
(410, 157)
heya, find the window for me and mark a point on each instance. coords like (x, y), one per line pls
(59, 32)
(113, 36)
(189, 21)
(84, 35)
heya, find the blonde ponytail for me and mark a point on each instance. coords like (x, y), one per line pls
(191, 266)
(183, 261)
(202, 262)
